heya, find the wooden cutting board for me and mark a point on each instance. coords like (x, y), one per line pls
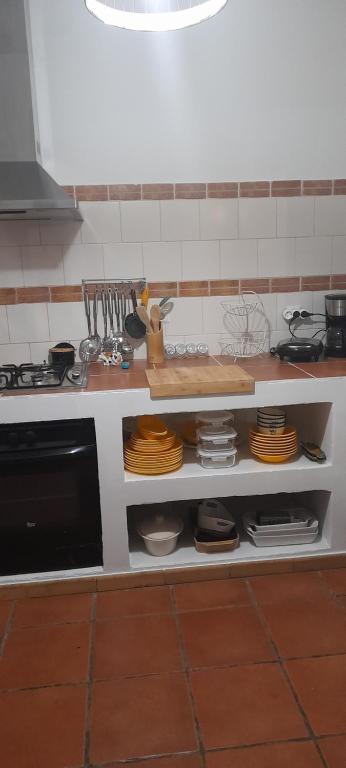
(199, 380)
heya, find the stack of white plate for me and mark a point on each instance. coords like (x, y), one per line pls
(302, 530)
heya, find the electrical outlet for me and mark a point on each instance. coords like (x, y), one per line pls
(287, 312)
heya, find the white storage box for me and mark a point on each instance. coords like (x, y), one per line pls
(214, 517)
(300, 531)
(284, 540)
(216, 459)
(300, 520)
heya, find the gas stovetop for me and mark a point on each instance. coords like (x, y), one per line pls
(42, 376)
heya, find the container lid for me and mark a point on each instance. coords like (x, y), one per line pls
(224, 453)
(216, 431)
(160, 527)
(214, 417)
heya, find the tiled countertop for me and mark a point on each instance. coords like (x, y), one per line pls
(265, 368)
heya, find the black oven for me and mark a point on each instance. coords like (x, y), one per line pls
(50, 516)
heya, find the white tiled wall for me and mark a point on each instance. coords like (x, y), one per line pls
(167, 241)
(30, 330)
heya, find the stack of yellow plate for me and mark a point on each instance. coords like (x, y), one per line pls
(153, 449)
(273, 448)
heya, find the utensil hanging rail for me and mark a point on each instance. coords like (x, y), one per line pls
(123, 285)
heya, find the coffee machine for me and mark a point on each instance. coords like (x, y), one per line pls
(335, 343)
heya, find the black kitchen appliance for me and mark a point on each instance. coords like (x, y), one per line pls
(50, 516)
(62, 354)
(297, 349)
(335, 344)
(43, 376)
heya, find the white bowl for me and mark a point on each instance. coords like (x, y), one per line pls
(160, 547)
(160, 534)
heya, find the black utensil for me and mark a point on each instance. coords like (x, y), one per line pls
(133, 325)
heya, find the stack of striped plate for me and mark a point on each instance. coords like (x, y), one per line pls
(273, 448)
(153, 449)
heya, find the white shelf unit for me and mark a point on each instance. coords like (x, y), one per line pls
(319, 501)
(186, 554)
(248, 475)
(248, 479)
(313, 422)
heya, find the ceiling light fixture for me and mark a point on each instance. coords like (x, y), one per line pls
(154, 15)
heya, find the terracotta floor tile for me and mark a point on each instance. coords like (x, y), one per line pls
(213, 594)
(272, 590)
(305, 628)
(288, 755)
(335, 580)
(321, 685)
(45, 656)
(224, 636)
(245, 705)
(176, 761)
(136, 645)
(301, 600)
(43, 728)
(334, 751)
(128, 602)
(52, 610)
(141, 716)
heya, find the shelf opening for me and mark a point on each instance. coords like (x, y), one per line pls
(318, 503)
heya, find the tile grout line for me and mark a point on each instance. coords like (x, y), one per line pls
(143, 675)
(86, 749)
(293, 365)
(187, 676)
(284, 672)
(144, 759)
(212, 750)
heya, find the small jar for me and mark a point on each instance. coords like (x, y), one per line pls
(203, 350)
(169, 350)
(180, 350)
(191, 350)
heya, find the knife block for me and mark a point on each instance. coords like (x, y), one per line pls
(155, 350)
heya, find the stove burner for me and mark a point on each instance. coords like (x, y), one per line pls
(45, 377)
(30, 376)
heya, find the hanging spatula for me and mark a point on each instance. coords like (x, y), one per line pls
(144, 317)
(155, 314)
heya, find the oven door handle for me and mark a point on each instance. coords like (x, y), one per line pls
(50, 453)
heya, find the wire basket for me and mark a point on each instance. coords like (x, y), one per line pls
(249, 300)
(244, 343)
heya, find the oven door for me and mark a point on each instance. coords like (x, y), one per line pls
(50, 516)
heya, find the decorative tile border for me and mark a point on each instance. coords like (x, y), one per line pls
(202, 191)
(66, 293)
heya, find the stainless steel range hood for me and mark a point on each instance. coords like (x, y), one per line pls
(28, 192)
(26, 189)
